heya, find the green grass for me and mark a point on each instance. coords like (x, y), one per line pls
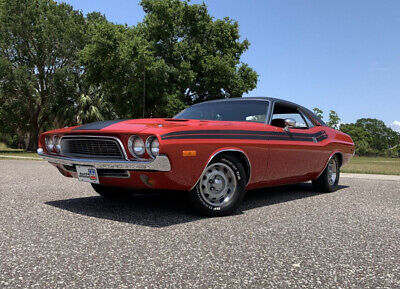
(373, 165)
(6, 153)
(4, 148)
(9, 153)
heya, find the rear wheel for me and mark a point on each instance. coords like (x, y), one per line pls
(221, 187)
(329, 179)
(110, 192)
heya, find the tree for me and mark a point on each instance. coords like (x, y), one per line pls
(87, 105)
(318, 112)
(334, 120)
(383, 136)
(60, 68)
(177, 56)
(118, 60)
(202, 54)
(362, 138)
(39, 43)
(372, 137)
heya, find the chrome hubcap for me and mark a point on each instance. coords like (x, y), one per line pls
(332, 171)
(218, 184)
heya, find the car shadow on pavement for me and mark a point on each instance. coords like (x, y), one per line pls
(161, 209)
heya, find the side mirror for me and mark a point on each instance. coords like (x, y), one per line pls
(289, 122)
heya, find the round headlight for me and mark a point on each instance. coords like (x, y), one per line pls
(57, 143)
(153, 146)
(136, 146)
(49, 142)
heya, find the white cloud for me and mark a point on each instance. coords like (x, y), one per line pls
(396, 125)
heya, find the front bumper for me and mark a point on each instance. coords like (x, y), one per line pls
(160, 163)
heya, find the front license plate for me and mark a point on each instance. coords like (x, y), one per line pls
(87, 174)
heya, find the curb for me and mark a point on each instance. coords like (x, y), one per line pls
(371, 177)
(20, 158)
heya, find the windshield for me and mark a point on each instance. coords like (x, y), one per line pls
(238, 110)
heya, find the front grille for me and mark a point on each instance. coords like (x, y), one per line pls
(112, 173)
(91, 147)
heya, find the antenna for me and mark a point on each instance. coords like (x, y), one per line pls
(144, 91)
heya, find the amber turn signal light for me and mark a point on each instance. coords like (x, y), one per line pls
(189, 153)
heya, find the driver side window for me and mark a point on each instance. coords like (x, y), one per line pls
(283, 111)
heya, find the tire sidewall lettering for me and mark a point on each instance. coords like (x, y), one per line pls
(233, 167)
(204, 203)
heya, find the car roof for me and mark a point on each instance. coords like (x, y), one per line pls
(270, 99)
(265, 98)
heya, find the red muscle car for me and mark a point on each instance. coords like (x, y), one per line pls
(215, 150)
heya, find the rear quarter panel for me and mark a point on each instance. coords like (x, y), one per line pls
(336, 143)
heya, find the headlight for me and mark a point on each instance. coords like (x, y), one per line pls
(136, 146)
(49, 142)
(153, 146)
(57, 143)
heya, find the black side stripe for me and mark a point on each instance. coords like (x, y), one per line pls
(245, 132)
(322, 137)
(98, 125)
(252, 137)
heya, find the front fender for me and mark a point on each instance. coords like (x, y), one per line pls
(186, 170)
(227, 150)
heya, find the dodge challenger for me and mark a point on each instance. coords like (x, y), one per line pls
(214, 150)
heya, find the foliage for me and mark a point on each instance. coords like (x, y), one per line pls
(361, 138)
(39, 44)
(177, 56)
(318, 112)
(373, 138)
(334, 119)
(383, 136)
(58, 67)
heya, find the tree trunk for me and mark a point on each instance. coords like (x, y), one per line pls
(33, 140)
(33, 136)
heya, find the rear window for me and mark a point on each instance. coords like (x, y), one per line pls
(238, 110)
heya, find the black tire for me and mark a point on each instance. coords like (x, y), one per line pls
(219, 173)
(108, 192)
(325, 182)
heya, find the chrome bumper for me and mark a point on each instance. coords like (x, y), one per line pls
(159, 163)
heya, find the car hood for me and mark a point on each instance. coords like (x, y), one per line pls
(133, 125)
(157, 126)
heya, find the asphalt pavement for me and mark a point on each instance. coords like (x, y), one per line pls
(55, 232)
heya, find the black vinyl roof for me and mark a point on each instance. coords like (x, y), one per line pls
(272, 100)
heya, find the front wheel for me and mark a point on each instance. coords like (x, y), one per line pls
(221, 187)
(328, 181)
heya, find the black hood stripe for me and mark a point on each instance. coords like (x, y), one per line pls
(98, 125)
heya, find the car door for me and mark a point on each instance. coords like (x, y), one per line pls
(294, 152)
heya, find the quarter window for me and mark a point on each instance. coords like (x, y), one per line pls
(308, 121)
(283, 111)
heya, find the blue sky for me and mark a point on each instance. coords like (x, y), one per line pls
(339, 54)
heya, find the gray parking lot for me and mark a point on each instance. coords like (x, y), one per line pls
(56, 232)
